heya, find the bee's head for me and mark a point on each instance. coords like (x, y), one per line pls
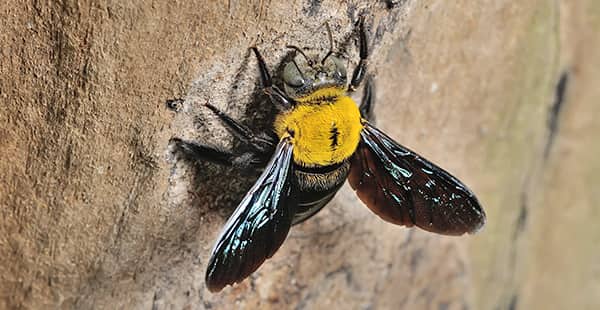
(303, 75)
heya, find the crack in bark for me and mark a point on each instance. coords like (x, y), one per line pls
(514, 302)
(553, 123)
(555, 111)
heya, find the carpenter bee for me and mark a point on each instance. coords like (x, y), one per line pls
(320, 138)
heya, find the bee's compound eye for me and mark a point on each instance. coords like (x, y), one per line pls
(340, 68)
(292, 76)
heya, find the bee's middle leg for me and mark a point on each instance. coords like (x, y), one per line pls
(261, 144)
(367, 103)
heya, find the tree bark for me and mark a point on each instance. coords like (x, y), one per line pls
(96, 212)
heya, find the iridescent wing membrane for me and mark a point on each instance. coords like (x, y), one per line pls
(258, 226)
(406, 189)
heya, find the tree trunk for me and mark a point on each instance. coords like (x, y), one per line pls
(96, 212)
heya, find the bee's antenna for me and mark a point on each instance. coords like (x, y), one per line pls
(330, 36)
(299, 50)
(298, 68)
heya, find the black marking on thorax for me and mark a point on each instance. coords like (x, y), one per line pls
(334, 136)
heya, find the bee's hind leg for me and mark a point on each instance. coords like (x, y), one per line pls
(192, 151)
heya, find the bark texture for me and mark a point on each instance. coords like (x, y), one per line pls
(97, 213)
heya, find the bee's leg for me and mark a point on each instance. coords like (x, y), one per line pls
(359, 72)
(192, 152)
(259, 144)
(276, 95)
(367, 102)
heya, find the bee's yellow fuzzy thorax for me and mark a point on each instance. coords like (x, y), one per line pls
(325, 126)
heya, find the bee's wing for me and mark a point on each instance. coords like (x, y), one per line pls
(258, 226)
(406, 189)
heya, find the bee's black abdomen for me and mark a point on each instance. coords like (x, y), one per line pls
(309, 207)
(316, 187)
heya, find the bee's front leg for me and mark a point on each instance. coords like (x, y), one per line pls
(277, 96)
(360, 71)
